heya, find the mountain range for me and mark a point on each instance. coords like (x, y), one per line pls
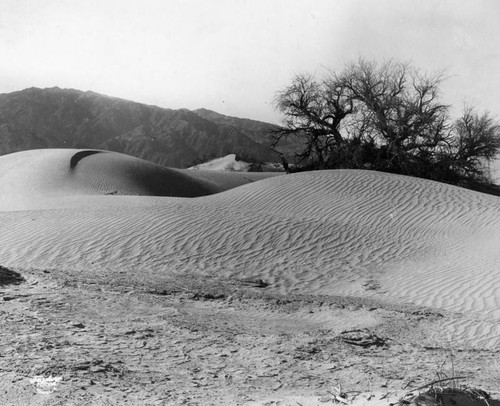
(67, 118)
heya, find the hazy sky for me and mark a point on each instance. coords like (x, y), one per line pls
(231, 56)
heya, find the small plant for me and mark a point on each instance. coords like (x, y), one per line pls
(446, 390)
(9, 277)
(438, 395)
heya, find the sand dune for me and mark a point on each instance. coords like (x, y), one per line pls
(339, 232)
(62, 172)
(228, 163)
(29, 178)
(231, 163)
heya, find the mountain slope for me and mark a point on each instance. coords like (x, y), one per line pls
(67, 118)
(256, 130)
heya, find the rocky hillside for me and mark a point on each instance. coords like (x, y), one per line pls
(66, 118)
(256, 130)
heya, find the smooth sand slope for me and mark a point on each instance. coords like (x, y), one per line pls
(28, 179)
(30, 176)
(343, 232)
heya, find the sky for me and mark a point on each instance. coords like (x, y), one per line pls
(232, 56)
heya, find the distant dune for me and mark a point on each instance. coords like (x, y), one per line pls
(231, 163)
(342, 232)
(228, 163)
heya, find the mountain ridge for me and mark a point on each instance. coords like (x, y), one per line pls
(36, 118)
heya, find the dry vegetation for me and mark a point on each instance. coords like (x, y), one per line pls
(388, 117)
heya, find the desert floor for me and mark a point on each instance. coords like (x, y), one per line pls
(120, 340)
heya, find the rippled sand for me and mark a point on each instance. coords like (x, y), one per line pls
(342, 232)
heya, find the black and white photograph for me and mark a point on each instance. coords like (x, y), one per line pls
(250, 202)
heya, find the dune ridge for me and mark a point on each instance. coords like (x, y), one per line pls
(28, 178)
(31, 179)
(342, 232)
(78, 156)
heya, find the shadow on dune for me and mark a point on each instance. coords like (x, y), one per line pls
(79, 156)
(8, 277)
(126, 175)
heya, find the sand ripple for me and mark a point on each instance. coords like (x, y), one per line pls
(331, 232)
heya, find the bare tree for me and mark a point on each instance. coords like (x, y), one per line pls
(313, 110)
(476, 143)
(401, 108)
(388, 117)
